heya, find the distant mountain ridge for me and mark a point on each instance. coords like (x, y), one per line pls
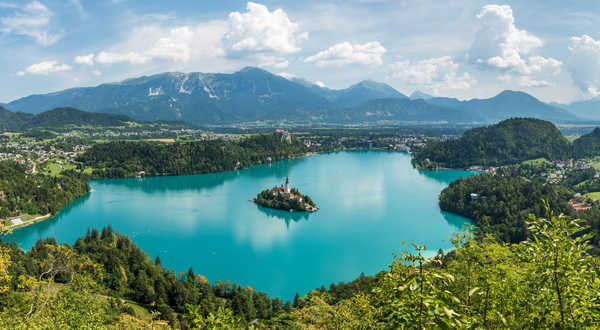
(507, 104)
(253, 94)
(358, 94)
(588, 109)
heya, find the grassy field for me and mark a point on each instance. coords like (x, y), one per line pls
(535, 162)
(595, 163)
(54, 169)
(593, 195)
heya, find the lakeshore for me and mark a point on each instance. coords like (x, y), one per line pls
(18, 222)
(360, 210)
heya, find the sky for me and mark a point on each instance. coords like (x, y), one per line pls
(465, 49)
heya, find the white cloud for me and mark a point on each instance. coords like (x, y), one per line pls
(286, 75)
(44, 68)
(179, 43)
(32, 20)
(130, 57)
(584, 64)
(499, 44)
(346, 53)
(270, 61)
(84, 59)
(96, 73)
(258, 36)
(435, 74)
(526, 81)
(320, 84)
(261, 30)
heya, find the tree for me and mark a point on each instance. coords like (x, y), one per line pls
(564, 274)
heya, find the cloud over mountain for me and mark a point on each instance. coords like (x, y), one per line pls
(501, 45)
(45, 68)
(435, 74)
(584, 64)
(346, 53)
(261, 30)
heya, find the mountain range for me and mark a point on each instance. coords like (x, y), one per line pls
(253, 94)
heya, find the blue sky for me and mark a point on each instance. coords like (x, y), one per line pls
(463, 49)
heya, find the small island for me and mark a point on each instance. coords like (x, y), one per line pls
(285, 198)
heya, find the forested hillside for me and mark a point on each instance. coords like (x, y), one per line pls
(10, 121)
(508, 142)
(500, 205)
(587, 145)
(36, 193)
(124, 159)
(58, 118)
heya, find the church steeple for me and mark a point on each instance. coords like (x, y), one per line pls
(287, 185)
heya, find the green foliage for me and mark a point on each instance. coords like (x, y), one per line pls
(502, 203)
(412, 294)
(563, 276)
(36, 193)
(549, 281)
(587, 145)
(508, 142)
(124, 159)
(222, 319)
(39, 134)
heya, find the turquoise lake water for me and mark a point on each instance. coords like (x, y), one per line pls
(371, 201)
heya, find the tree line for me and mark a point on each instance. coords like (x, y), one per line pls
(125, 159)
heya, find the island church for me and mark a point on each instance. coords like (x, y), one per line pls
(285, 188)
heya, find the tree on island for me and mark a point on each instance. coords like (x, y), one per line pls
(284, 198)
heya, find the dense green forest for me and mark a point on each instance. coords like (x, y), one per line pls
(125, 159)
(21, 192)
(508, 142)
(105, 281)
(587, 145)
(268, 199)
(500, 205)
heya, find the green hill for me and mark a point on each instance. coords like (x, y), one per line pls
(587, 145)
(58, 118)
(12, 120)
(508, 142)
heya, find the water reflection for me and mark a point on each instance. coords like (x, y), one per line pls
(445, 176)
(456, 220)
(286, 216)
(201, 182)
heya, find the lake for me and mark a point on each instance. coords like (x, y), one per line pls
(371, 201)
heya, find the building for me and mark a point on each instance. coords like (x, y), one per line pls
(578, 204)
(287, 185)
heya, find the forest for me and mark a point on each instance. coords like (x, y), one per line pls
(549, 280)
(587, 145)
(500, 205)
(508, 142)
(124, 159)
(32, 194)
